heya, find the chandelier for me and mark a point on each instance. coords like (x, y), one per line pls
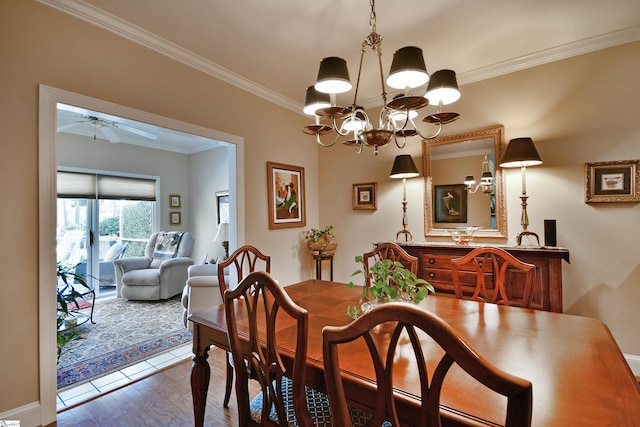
(396, 121)
(486, 179)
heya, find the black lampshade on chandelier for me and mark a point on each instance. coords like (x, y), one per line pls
(408, 73)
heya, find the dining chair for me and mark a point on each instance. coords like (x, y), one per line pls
(391, 251)
(260, 304)
(392, 333)
(490, 270)
(246, 259)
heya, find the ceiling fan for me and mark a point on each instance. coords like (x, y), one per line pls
(102, 125)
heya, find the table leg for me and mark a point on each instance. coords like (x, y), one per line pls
(200, 375)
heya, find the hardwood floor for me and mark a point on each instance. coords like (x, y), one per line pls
(164, 399)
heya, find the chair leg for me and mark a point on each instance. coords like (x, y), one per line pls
(227, 392)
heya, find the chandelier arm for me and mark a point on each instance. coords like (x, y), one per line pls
(331, 144)
(423, 136)
(404, 139)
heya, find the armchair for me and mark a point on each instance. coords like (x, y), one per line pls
(161, 273)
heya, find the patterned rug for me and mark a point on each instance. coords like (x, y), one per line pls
(125, 333)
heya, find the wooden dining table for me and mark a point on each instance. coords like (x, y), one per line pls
(578, 372)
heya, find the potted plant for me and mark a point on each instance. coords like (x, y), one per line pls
(389, 281)
(67, 302)
(321, 240)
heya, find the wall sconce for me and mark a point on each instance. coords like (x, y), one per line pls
(222, 236)
(486, 181)
(403, 167)
(522, 153)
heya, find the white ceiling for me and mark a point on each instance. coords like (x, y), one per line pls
(273, 48)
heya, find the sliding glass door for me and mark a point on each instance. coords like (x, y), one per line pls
(114, 218)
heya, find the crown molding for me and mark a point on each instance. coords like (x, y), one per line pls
(568, 50)
(100, 18)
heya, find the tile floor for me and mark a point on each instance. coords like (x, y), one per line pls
(83, 392)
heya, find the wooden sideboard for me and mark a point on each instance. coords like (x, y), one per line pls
(434, 265)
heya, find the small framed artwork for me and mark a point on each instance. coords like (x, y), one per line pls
(286, 196)
(612, 182)
(450, 203)
(365, 196)
(174, 218)
(174, 201)
(222, 202)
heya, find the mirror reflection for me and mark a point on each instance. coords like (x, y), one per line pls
(463, 186)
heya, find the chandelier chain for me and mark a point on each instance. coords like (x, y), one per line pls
(372, 16)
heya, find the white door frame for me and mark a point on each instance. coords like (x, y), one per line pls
(47, 160)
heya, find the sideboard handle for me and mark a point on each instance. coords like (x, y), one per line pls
(432, 261)
(432, 275)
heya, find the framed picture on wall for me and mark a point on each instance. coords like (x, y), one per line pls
(174, 201)
(450, 203)
(286, 196)
(612, 182)
(174, 218)
(365, 196)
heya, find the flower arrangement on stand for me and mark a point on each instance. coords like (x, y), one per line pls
(389, 281)
(321, 240)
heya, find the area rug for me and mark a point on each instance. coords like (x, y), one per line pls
(125, 333)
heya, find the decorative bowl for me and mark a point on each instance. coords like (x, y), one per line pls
(462, 235)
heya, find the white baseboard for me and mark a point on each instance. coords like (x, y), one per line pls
(634, 363)
(29, 415)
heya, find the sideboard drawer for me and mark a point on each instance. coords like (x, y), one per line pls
(431, 261)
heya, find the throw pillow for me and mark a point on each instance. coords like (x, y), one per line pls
(166, 247)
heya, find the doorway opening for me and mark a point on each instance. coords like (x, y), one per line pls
(49, 99)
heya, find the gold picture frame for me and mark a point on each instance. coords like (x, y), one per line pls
(365, 196)
(174, 218)
(286, 196)
(612, 182)
(174, 200)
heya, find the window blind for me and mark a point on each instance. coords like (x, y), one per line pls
(79, 185)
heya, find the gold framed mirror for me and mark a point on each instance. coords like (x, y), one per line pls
(447, 161)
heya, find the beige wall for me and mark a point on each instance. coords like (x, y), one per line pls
(579, 110)
(39, 45)
(583, 109)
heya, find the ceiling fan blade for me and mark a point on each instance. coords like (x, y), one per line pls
(67, 127)
(140, 132)
(109, 133)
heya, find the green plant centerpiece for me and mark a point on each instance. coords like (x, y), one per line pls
(321, 240)
(390, 281)
(67, 301)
